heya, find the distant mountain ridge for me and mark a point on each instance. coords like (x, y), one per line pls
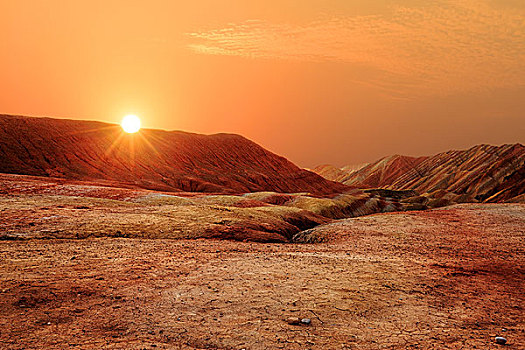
(333, 173)
(151, 159)
(481, 173)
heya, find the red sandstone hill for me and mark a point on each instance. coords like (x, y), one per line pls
(330, 172)
(333, 173)
(482, 173)
(383, 172)
(152, 159)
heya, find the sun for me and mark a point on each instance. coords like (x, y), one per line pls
(130, 124)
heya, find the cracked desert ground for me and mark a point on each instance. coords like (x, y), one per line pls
(448, 278)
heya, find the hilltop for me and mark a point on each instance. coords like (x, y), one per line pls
(150, 159)
(482, 173)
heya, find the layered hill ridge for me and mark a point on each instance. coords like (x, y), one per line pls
(330, 172)
(383, 172)
(334, 173)
(151, 159)
(482, 173)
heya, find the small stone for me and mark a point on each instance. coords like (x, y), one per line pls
(500, 340)
(306, 321)
(293, 320)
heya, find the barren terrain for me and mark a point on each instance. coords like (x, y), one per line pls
(152, 159)
(173, 240)
(41, 207)
(482, 173)
(450, 278)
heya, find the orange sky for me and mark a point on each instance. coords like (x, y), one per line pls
(326, 81)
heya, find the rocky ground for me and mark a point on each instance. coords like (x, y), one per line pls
(40, 207)
(450, 278)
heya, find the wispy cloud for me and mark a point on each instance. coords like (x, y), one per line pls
(449, 46)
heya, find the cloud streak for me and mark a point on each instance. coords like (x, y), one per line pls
(446, 47)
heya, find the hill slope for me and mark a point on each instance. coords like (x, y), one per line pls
(482, 173)
(330, 172)
(383, 172)
(333, 173)
(488, 173)
(152, 159)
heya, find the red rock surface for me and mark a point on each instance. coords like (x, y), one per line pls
(482, 173)
(43, 207)
(330, 172)
(334, 173)
(383, 172)
(441, 279)
(152, 159)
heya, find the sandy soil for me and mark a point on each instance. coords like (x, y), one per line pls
(451, 278)
(47, 208)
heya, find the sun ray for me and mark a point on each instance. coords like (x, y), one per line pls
(149, 144)
(114, 144)
(81, 132)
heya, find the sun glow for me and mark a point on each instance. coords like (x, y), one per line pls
(130, 124)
